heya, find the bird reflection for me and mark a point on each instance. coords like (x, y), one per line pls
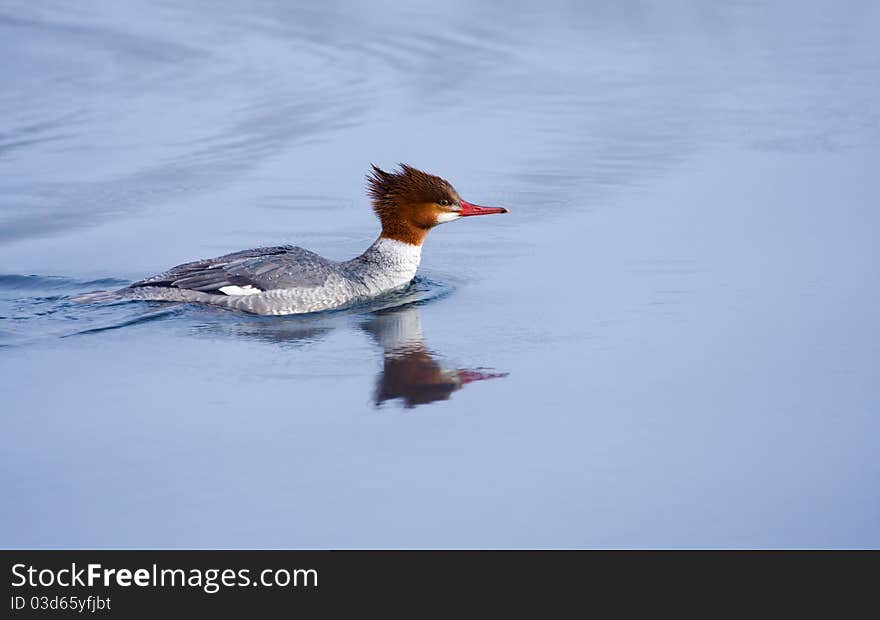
(410, 371)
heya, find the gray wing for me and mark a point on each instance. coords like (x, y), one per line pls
(277, 267)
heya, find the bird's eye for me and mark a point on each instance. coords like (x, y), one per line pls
(444, 203)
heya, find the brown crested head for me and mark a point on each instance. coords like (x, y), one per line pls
(410, 202)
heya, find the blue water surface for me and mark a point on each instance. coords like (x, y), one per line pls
(670, 341)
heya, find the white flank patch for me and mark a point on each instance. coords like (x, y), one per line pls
(447, 216)
(240, 290)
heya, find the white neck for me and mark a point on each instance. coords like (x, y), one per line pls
(397, 252)
(388, 263)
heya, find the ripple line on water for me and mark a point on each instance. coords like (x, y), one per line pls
(138, 320)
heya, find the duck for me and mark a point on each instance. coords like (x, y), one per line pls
(287, 279)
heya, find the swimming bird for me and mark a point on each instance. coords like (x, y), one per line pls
(287, 279)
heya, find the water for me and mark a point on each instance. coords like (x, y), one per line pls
(675, 327)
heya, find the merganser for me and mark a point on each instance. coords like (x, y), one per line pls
(290, 280)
